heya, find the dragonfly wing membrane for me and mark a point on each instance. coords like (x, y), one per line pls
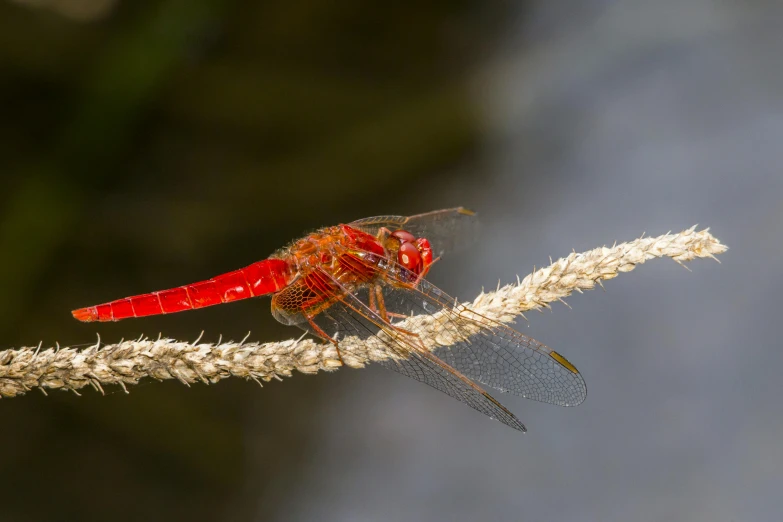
(508, 361)
(351, 316)
(484, 350)
(424, 367)
(490, 352)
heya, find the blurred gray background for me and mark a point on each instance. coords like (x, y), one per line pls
(155, 144)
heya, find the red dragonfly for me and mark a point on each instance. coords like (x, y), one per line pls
(362, 279)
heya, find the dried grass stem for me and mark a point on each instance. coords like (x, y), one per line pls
(127, 362)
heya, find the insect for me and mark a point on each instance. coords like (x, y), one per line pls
(366, 279)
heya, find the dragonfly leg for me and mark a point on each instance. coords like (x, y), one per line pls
(373, 305)
(424, 272)
(381, 304)
(326, 336)
(385, 314)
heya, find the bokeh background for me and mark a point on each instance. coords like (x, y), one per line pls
(148, 144)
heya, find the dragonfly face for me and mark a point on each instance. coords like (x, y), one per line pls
(412, 253)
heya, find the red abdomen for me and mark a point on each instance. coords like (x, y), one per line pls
(265, 277)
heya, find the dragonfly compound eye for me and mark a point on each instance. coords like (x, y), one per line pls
(409, 257)
(403, 236)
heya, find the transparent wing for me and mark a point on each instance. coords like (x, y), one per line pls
(447, 230)
(482, 349)
(350, 316)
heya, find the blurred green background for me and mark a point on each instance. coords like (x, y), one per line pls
(144, 145)
(148, 144)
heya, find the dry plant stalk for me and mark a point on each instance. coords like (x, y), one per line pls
(128, 362)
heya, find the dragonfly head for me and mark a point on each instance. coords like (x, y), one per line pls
(415, 254)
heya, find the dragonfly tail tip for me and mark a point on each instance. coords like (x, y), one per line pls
(85, 315)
